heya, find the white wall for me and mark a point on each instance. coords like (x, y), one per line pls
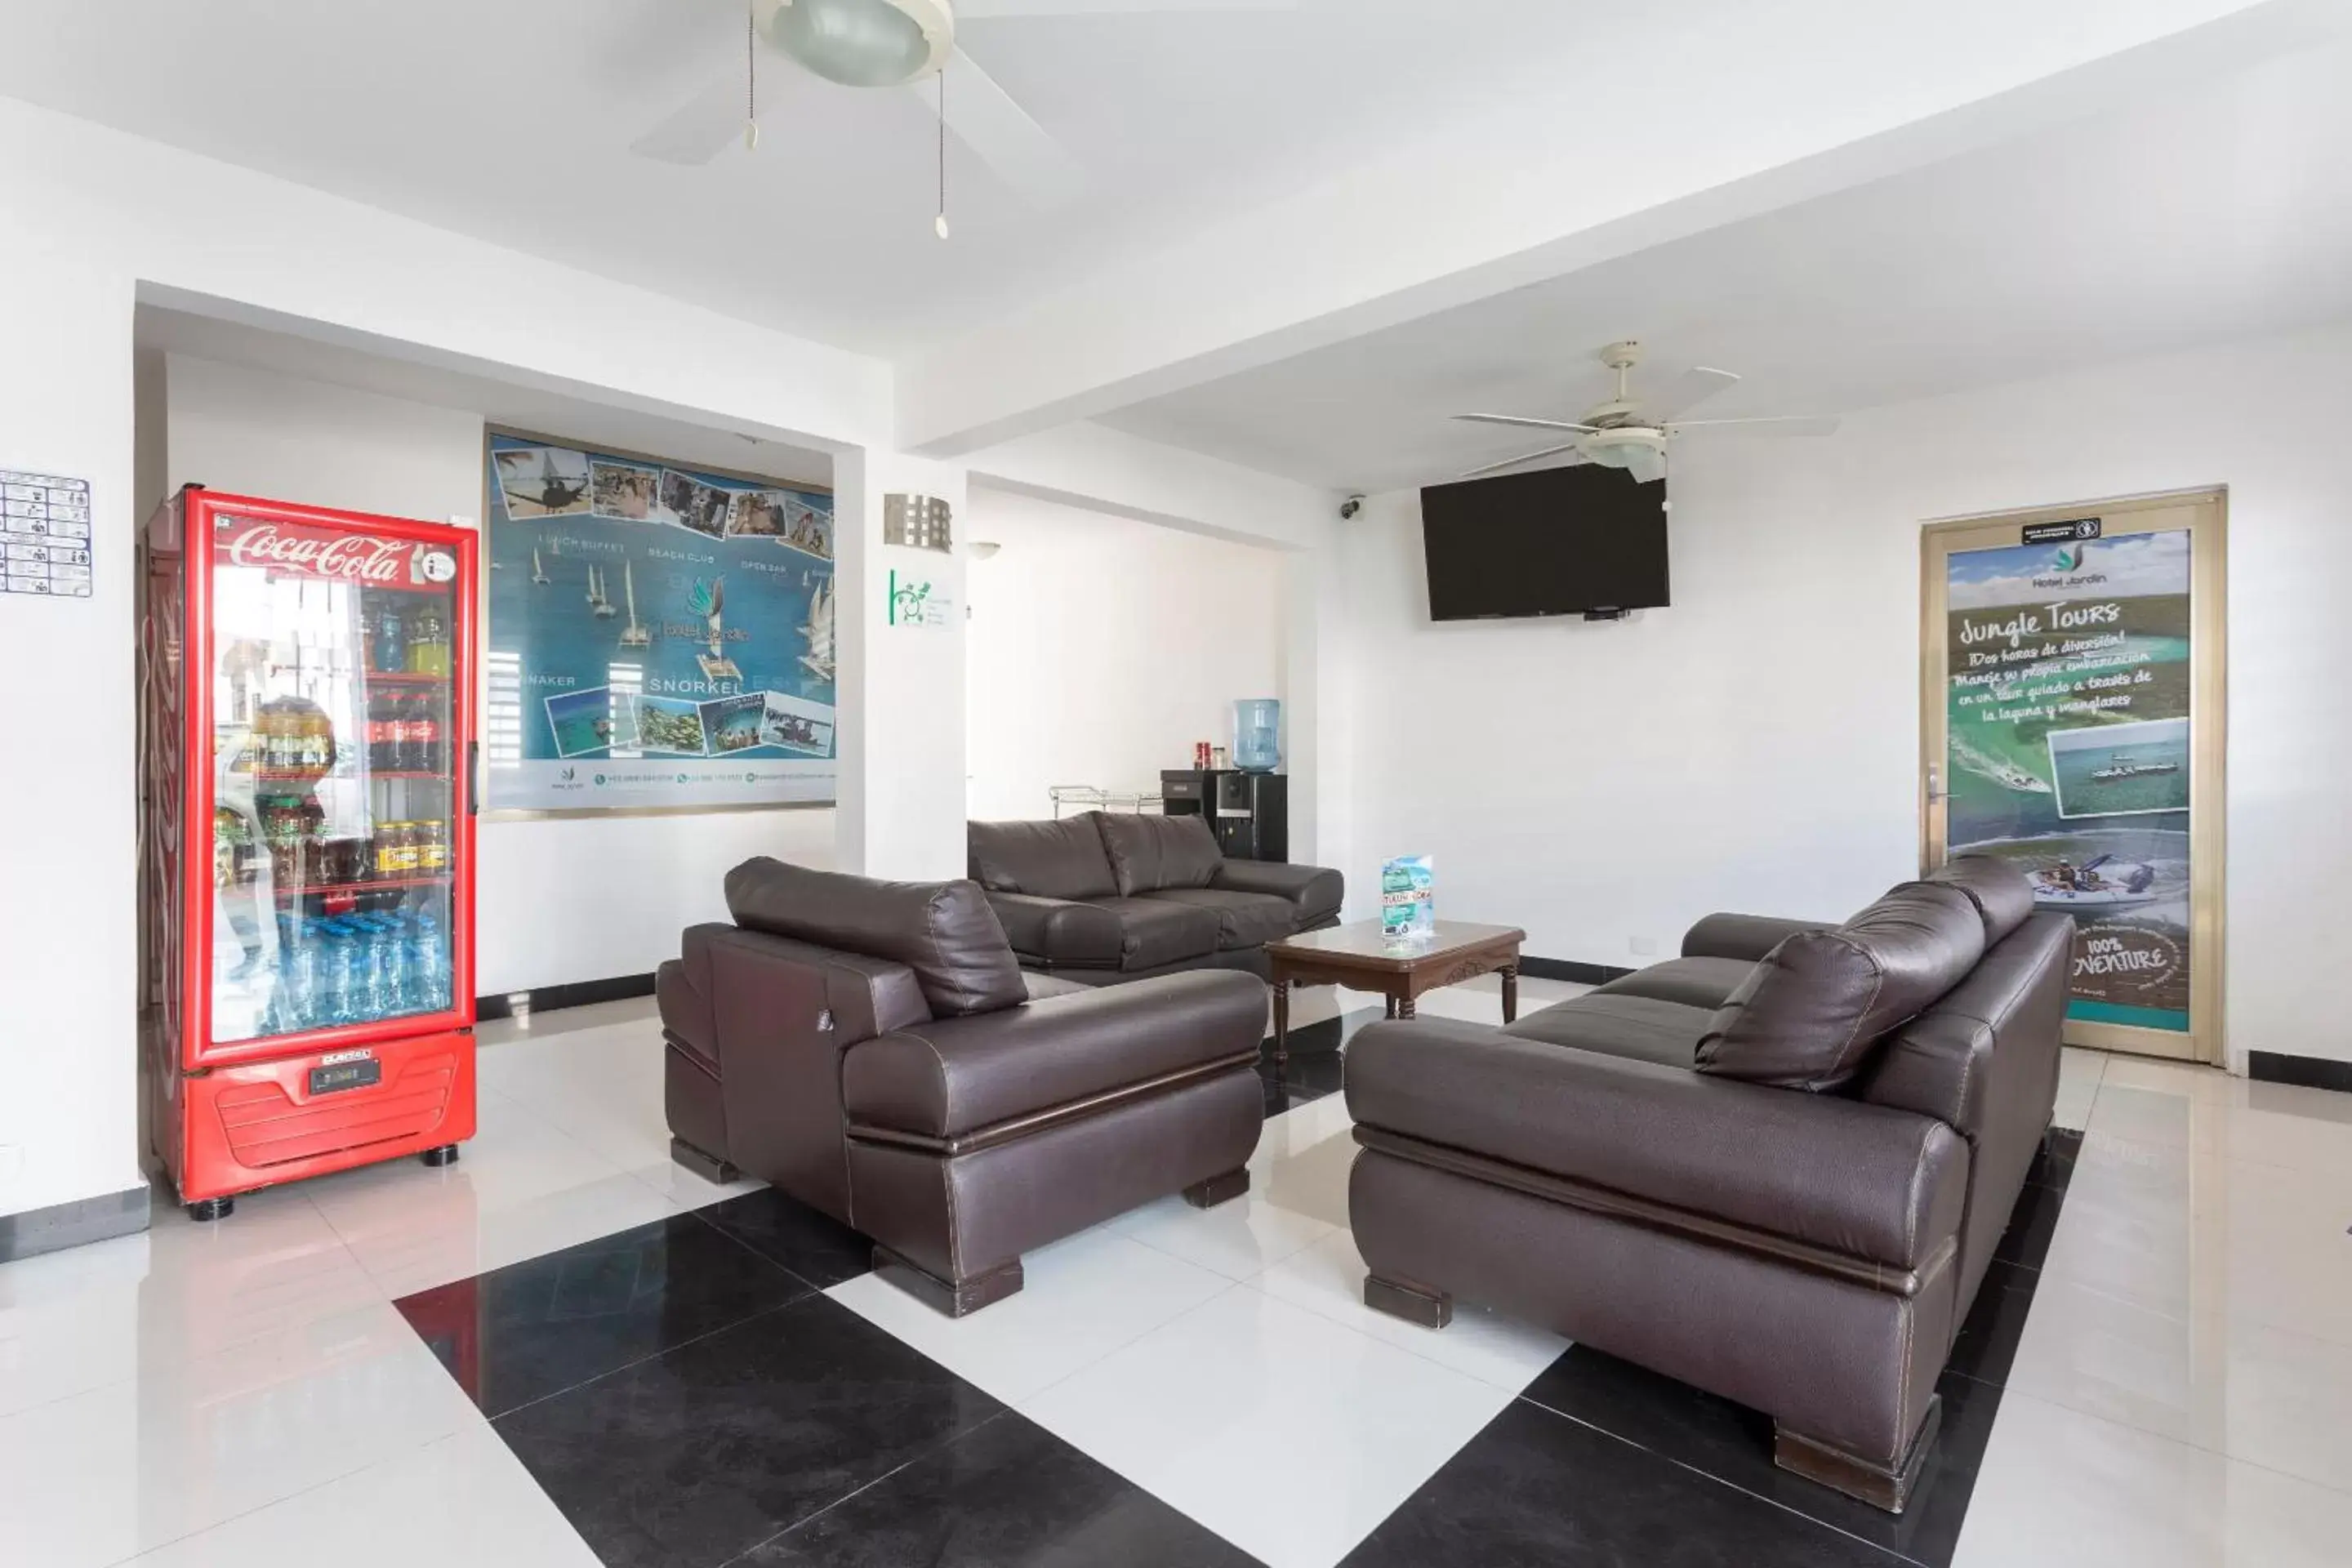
(562, 901)
(98, 219)
(1755, 746)
(1101, 648)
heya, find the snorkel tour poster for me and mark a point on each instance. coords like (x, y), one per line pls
(657, 636)
(2068, 714)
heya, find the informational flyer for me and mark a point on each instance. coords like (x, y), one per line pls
(2069, 715)
(657, 636)
(1408, 899)
(45, 537)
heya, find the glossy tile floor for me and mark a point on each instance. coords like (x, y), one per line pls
(566, 1349)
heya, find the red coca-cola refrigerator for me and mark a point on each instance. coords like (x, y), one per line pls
(307, 791)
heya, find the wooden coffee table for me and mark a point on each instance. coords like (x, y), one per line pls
(1358, 957)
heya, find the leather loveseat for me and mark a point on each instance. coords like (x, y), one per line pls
(1110, 897)
(1775, 1167)
(873, 1049)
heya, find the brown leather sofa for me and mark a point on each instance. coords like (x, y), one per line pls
(873, 1049)
(1108, 896)
(1775, 1167)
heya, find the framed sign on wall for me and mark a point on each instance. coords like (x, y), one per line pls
(659, 637)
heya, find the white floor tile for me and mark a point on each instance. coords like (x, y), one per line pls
(1328, 1279)
(89, 1316)
(1282, 1431)
(2058, 1488)
(2214, 1380)
(481, 1509)
(2273, 1124)
(1236, 1240)
(447, 1238)
(2187, 1232)
(682, 1187)
(1081, 1300)
(104, 1475)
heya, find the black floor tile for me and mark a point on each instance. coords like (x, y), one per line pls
(1734, 1444)
(693, 1457)
(1007, 1495)
(2031, 1225)
(1987, 1344)
(2053, 1163)
(817, 1246)
(1535, 1489)
(1316, 1066)
(533, 1329)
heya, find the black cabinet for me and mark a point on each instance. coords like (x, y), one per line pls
(1250, 813)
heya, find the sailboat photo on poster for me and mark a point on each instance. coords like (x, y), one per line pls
(638, 609)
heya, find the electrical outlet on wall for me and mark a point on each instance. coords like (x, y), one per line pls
(1643, 946)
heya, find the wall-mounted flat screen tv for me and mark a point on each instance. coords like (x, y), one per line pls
(1559, 542)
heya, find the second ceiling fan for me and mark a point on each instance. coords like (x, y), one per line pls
(903, 45)
(1624, 433)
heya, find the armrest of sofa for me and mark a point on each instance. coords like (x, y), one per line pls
(1866, 1181)
(955, 1076)
(1748, 937)
(1056, 930)
(1316, 891)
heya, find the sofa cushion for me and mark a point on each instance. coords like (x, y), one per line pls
(1049, 859)
(1706, 982)
(2002, 896)
(1639, 1028)
(1154, 932)
(1808, 1014)
(956, 1075)
(944, 931)
(1316, 892)
(1059, 932)
(1244, 919)
(1149, 852)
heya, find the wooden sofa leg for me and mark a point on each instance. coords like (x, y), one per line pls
(956, 1298)
(1881, 1486)
(710, 1167)
(1414, 1305)
(1216, 1190)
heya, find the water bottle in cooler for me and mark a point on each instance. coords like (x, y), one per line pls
(429, 971)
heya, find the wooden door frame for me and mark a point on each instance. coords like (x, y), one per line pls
(2209, 732)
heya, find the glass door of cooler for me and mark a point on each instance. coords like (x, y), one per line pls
(335, 743)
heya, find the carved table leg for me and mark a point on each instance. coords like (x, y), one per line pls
(1281, 1025)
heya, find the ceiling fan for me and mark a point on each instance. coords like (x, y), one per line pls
(908, 43)
(1624, 433)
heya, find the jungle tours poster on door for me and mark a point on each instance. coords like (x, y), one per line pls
(2068, 712)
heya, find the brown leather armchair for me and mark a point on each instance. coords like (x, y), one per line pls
(1775, 1167)
(873, 1049)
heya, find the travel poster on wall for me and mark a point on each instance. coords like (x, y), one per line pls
(2069, 754)
(657, 635)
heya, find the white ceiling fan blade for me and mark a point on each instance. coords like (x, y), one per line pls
(1693, 387)
(1782, 424)
(1517, 423)
(701, 128)
(1523, 458)
(979, 10)
(1646, 466)
(999, 131)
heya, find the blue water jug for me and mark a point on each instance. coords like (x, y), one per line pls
(1257, 734)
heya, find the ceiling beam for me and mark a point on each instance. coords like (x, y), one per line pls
(1729, 116)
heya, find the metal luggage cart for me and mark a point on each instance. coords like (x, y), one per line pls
(1089, 797)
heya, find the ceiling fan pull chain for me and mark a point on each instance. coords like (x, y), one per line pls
(939, 224)
(751, 77)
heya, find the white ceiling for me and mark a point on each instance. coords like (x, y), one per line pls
(510, 120)
(2227, 211)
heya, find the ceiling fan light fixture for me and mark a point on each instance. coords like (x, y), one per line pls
(1636, 448)
(863, 43)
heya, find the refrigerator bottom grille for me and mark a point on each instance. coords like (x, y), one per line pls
(265, 1126)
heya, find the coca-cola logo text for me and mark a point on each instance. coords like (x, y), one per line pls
(353, 556)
